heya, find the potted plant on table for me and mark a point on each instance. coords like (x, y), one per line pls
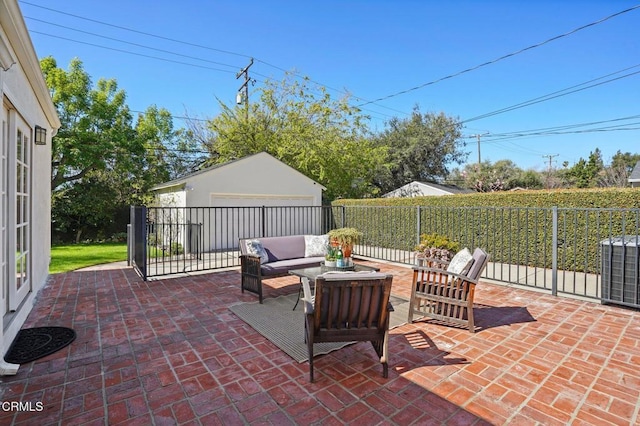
(345, 238)
(434, 247)
(331, 256)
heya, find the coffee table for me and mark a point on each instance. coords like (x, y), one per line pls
(313, 272)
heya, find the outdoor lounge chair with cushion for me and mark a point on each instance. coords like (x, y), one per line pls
(349, 307)
(447, 296)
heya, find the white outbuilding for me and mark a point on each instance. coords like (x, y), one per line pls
(252, 188)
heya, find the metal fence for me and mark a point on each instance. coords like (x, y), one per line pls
(555, 249)
(179, 240)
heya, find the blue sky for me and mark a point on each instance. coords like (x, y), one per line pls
(374, 50)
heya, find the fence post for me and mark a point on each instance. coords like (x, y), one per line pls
(554, 252)
(139, 220)
(344, 215)
(129, 243)
(263, 222)
(418, 224)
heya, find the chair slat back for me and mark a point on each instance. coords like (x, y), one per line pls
(351, 303)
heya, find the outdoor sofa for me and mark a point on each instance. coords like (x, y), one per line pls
(270, 257)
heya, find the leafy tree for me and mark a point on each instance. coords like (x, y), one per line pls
(420, 148)
(169, 153)
(527, 179)
(617, 173)
(101, 163)
(319, 136)
(96, 123)
(584, 173)
(626, 160)
(499, 176)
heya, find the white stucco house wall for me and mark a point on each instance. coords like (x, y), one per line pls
(25, 175)
(231, 200)
(420, 189)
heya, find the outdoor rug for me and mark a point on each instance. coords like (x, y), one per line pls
(34, 343)
(276, 321)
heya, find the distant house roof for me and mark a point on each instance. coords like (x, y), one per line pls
(635, 173)
(418, 189)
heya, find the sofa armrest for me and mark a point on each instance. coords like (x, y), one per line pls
(250, 264)
(251, 279)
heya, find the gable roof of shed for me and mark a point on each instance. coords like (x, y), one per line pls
(448, 188)
(451, 189)
(635, 173)
(184, 179)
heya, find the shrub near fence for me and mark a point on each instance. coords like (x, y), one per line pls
(516, 228)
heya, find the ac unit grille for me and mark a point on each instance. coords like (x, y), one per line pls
(620, 270)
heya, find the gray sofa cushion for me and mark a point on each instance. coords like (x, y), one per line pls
(280, 267)
(282, 248)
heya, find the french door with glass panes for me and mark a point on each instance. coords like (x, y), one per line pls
(15, 205)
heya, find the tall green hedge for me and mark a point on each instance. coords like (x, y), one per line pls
(581, 198)
(515, 227)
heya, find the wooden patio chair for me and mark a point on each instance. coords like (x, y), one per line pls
(349, 307)
(446, 297)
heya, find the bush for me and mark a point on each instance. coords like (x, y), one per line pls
(436, 246)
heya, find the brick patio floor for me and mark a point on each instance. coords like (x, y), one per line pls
(171, 352)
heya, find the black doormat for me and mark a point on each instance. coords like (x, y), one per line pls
(34, 343)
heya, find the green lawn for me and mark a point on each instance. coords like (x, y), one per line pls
(70, 257)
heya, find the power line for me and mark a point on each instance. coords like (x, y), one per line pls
(165, 59)
(564, 129)
(178, 117)
(500, 139)
(131, 53)
(129, 42)
(557, 94)
(228, 52)
(509, 55)
(188, 44)
(526, 103)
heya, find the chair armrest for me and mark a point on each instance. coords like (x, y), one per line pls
(430, 260)
(450, 275)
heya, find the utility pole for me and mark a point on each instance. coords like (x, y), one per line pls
(478, 136)
(550, 157)
(244, 97)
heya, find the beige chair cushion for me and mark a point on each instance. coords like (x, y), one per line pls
(461, 262)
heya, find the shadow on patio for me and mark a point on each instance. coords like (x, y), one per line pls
(171, 352)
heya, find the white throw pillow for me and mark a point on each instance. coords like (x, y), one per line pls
(315, 245)
(461, 262)
(255, 247)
